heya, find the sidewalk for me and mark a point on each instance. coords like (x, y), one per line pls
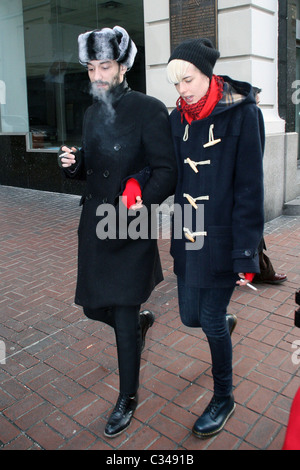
(59, 382)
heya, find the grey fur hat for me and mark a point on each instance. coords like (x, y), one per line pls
(110, 44)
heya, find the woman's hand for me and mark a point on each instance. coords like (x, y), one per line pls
(242, 281)
(245, 279)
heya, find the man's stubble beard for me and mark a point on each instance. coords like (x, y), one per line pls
(105, 97)
(102, 94)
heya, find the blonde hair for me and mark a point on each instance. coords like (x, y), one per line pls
(176, 70)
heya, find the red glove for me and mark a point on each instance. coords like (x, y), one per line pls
(249, 276)
(131, 191)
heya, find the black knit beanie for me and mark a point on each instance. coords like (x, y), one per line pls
(199, 52)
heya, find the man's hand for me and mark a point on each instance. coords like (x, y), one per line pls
(131, 196)
(67, 158)
(138, 205)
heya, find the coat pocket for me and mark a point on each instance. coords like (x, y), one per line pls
(220, 247)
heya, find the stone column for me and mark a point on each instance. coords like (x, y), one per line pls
(248, 43)
(157, 50)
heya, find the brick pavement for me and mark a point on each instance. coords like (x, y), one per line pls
(59, 381)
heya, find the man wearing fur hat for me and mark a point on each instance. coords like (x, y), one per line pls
(126, 158)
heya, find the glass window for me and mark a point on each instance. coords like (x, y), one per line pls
(297, 101)
(13, 95)
(298, 73)
(57, 85)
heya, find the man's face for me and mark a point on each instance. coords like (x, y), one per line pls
(105, 75)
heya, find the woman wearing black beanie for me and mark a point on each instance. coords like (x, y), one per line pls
(218, 136)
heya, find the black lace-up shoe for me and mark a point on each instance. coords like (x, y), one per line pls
(147, 320)
(121, 416)
(214, 417)
(231, 320)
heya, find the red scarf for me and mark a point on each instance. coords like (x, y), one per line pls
(204, 107)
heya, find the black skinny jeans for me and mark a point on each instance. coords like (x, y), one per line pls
(126, 323)
(206, 308)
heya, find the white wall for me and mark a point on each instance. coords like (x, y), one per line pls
(157, 47)
(248, 43)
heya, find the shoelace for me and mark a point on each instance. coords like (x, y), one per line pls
(122, 403)
(213, 406)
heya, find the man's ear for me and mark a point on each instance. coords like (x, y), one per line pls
(123, 69)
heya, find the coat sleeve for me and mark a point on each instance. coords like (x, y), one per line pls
(141, 177)
(159, 152)
(76, 171)
(248, 211)
(261, 129)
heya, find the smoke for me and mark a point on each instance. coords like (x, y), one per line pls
(105, 96)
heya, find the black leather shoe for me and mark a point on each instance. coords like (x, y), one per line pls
(231, 320)
(121, 416)
(214, 417)
(273, 279)
(147, 319)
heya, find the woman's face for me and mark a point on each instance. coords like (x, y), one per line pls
(193, 86)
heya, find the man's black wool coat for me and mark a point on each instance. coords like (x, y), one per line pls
(121, 271)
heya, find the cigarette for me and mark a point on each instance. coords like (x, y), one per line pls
(248, 284)
(64, 154)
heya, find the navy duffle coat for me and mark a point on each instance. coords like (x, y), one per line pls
(227, 188)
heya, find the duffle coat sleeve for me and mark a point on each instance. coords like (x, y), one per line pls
(247, 214)
(114, 268)
(228, 190)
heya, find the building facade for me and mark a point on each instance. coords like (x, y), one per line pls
(44, 91)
